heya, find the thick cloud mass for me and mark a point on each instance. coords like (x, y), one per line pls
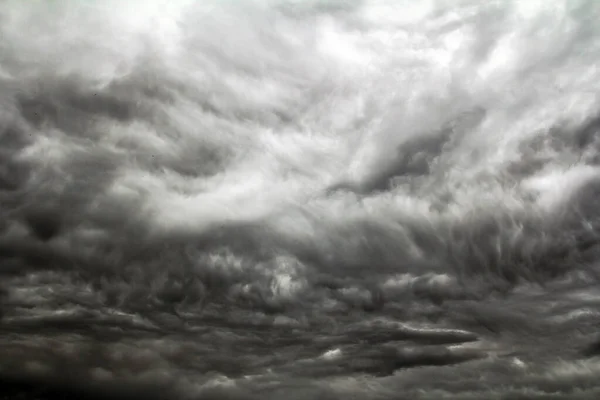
(275, 199)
